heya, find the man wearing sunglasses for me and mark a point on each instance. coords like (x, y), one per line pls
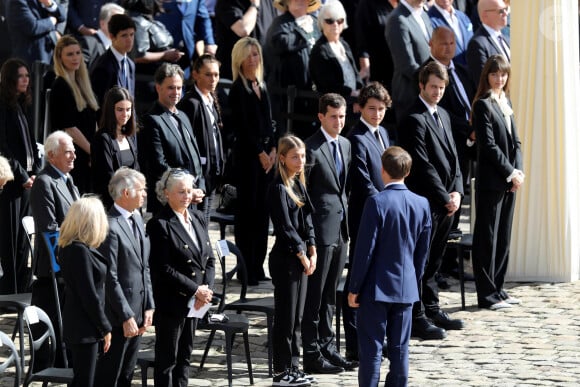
(488, 39)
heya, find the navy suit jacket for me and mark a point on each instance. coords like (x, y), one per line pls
(106, 73)
(480, 48)
(50, 200)
(188, 22)
(161, 146)
(177, 266)
(84, 270)
(32, 33)
(85, 12)
(326, 189)
(128, 287)
(392, 247)
(466, 27)
(499, 152)
(435, 172)
(409, 49)
(365, 174)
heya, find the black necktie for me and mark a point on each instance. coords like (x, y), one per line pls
(442, 131)
(135, 229)
(379, 139)
(71, 188)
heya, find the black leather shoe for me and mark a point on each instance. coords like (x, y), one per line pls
(442, 320)
(425, 330)
(321, 366)
(336, 359)
(351, 355)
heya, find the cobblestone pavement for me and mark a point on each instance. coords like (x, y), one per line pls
(534, 344)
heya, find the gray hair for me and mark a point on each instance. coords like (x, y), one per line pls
(168, 180)
(108, 10)
(53, 142)
(5, 170)
(125, 179)
(167, 70)
(332, 10)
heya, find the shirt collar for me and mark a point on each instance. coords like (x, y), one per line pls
(208, 101)
(117, 54)
(443, 12)
(373, 129)
(432, 109)
(124, 213)
(327, 136)
(414, 11)
(104, 39)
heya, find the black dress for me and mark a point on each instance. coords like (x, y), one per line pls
(64, 114)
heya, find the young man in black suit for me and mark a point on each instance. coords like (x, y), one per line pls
(166, 139)
(426, 134)
(114, 67)
(328, 157)
(129, 305)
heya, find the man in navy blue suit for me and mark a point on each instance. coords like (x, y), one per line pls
(114, 67)
(390, 254)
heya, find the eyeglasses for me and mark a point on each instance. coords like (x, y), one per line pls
(501, 11)
(332, 21)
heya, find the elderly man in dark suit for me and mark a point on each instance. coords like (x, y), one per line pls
(129, 304)
(32, 25)
(389, 259)
(488, 39)
(426, 134)
(328, 157)
(114, 67)
(407, 32)
(369, 140)
(166, 139)
(51, 195)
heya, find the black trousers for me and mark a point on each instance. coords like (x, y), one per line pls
(116, 367)
(173, 347)
(84, 358)
(428, 290)
(318, 336)
(491, 243)
(289, 294)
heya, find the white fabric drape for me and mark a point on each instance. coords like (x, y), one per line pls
(545, 94)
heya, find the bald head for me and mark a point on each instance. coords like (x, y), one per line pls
(442, 44)
(493, 13)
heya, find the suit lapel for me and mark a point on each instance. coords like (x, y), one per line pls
(182, 234)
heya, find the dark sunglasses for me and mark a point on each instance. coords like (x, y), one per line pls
(332, 21)
(174, 172)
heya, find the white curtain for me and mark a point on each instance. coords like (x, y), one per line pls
(545, 93)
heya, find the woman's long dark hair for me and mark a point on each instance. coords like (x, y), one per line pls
(8, 82)
(494, 64)
(108, 121)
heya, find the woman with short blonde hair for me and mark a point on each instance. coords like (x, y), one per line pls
(84, 271)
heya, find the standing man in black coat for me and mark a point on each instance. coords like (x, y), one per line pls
(426, 134)
(129, 304)
(328, 157)
(166, 139)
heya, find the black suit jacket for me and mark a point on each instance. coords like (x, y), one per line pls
(161, 146)
(11, 139)
(480, 48)
(326, 189)
(326, 71)
(192, 105)
(106, 73)
(50, 200)
(105, 160)
(128, 289)
(177, 266)
(84, 270)
(499, 152)
(365, 174)
(435, 171)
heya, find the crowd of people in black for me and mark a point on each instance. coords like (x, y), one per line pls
(135, 114)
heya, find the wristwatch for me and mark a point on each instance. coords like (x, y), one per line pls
(255, 6)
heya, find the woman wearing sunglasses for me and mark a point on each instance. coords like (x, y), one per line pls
(332, 66)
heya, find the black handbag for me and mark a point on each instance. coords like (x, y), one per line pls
(152, 33)
(228, 199)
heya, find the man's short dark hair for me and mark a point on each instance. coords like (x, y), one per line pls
(374, 90)
(396, 162)
(167, 70)
(120, 22)
(330, 99)
(433, 68)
